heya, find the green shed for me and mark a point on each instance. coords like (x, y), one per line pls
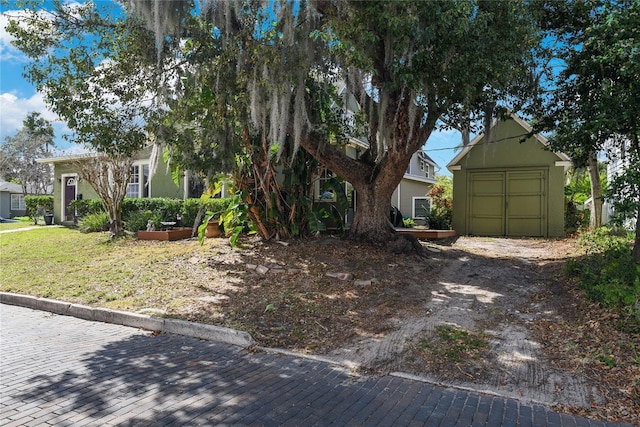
(504, 186)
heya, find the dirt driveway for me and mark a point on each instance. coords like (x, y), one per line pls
(486, 287)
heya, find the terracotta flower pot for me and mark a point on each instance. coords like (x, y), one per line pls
(213, 229)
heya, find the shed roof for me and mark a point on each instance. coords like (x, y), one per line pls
(526, 126)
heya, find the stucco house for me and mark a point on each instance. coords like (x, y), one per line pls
(409, 196)
(68, 186)
(11, 200)
(503, 186)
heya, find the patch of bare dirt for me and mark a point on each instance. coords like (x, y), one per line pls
(494, 315)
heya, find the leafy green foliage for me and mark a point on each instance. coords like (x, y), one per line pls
(608, 274)
(575, 219)
(138, 220)
(624, 194)
(38, 206)
(236, 218)
(94, 223)
(95, 66)
(164, 209)
(408, 222)
(595, 100)
(86, 207)
(441, 194)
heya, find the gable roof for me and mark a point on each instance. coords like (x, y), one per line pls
(10, 187)
(526, 126)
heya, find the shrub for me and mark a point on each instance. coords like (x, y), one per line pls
(190, 208)
(86, 207)
(138, 221)
(167, 209)
(608, 274)
(408, 222)
(574, 219)
(38, 206)
(439, 217)
(137, 211)
(93, 223)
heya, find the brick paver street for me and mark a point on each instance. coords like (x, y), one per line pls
(63, 371)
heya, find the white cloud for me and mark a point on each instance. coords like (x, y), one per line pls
(14, 110)
(7, 51)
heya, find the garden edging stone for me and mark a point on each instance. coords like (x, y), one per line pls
(173, 326)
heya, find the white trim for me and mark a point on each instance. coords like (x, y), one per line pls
(413, 206)
(454, 168)
(63, 192)
(564, 163)
(141, 178)
(185, 185)
(20, 202)
(399, 185)
(420, 178)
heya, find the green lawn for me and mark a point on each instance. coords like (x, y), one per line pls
(15, 225)
(62, 263)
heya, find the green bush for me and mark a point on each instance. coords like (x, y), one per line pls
(441, 213)
(93, 223)
(608, 274)
(190, 208)
(408, 222)
(38, 206)
(137, 211)
(86, 207)
(167, 209)
(138, 221)
(574, 219)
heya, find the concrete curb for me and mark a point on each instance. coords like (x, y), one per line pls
(158, 324)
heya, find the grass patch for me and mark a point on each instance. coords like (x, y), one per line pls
(17, 225)
(62, 263)
(455, 344)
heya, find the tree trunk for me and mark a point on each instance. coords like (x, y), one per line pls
(596, 192)
(371, 220)
(636, 245)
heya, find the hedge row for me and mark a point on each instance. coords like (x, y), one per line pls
(136, 212)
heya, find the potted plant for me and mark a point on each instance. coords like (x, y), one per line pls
(213, 227)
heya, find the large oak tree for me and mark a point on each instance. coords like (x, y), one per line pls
(402, 69)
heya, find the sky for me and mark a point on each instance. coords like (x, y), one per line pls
(18, 97)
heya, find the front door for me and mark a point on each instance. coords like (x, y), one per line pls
(70, 184)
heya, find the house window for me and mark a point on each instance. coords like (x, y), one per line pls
(424, 167)
(139, 181)
(421, 206)
(17, 202)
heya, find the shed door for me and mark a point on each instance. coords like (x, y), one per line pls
(487, 204)
(507, 203)
(526, 204)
